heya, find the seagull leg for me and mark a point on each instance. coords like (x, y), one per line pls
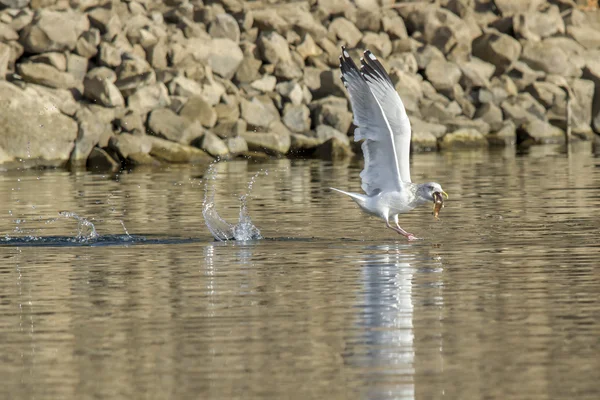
(401, 231)
(398, 229)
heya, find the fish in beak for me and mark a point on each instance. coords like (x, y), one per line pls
(438, 203)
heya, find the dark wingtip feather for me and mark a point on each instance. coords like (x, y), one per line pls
(373, 67)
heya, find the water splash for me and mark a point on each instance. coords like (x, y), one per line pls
(218, 227)
(85, 228)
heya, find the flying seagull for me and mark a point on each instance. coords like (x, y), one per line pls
(382, 123)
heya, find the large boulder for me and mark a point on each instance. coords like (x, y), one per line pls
(53, 31)
(498, 49)
(443, 75)
(47, 75)
(536, 26)
(103, 91)
(539, 132)
(550, 59)
(33, 128)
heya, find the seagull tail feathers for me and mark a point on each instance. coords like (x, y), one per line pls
(360, 199)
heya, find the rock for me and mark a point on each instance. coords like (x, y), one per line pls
(303, 144)
(344, 30)
(438, 112)
(60, 98)
(536, 26)
(268, 20)
(176, 152)
(443, 75)
(393, 25)
(265, 84)
(539, 132)
(333, 149)
(587, 36)
(47, 75)
(463, 138)
(332, 111)
(225, 26)
(166, 124)
(91, 130)
(77, 66)
(491, 114)
(157, 54)
(100, 160)
(582, 103)
(148, 98)
(225, 57)
(228, 129)
(298, 15)
(498, 49)
(522, 75)
(511, 7)
(420, 128)
(405, 62)
(379, 44)
(522, 109)
(103, 91)
(106, 21)
(296, 117)
(14, 3)
(130, 122)
(53, 31)
(256, 114)
(109, 55)
(422, 141)
(127, 145)
(5, 54)
(248, 70)
(550, 59)
(87, 44)
(505, 136)
(290, 91)
(325, 132)
(273, 48)
(181, 86)
(33, 128)
(268, 142)
(466, 123)
(213, 145)
(288, 70)
(326, 83)
(448, 32)
(236, 145)
(549, 95)
(308, 48)
(501, 88)
(475, 73)
(227, 112)
(198, 109)
(409, 87)
(54, 59)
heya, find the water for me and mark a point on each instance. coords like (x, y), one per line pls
(500, 300)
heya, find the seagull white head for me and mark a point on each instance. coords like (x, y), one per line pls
(384, 127)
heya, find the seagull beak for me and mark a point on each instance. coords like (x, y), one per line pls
(445, 194)
(438, 203)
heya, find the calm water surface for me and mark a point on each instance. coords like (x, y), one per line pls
(500, 300)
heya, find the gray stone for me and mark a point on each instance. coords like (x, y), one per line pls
(236, 145)
(248, 70)
(149, 98)
(586, 35)
(265, 84)
(327, 83)
(106, 21)
(443, 75)
(5, 53)
(476, 73)
(227, 129)
(303, 144)
(422, 141)
(344, 30)
(522, 75)
(334, 113)
(33, 128)
(54, 59)
(182, 86)
(498, 49)
(438, 112)
(549, 95)
(405, 62)
(268, 20)
(290, 91)
(127, 145)
(7, 33)
(334, 149)
(288, 70)
(296, 117)
(157, 54)
(227, 112)
(256, 114)
(90, 130)
(225, 26)
(466, 123)
(536, 25)
(14, 3)
(463, 138)
(87, 44)
(325, 132)
(522, 109)
(53, 31)
(225, 57)
(47, 75)
(109, 56)
(539, 132)
(62, 99)
(393, 25)
(308, 48)
(103, 91)
(506, 135)
(448, 32)
(550, 59)
(166, 124)
(268, 142)
(213, 145)
(273, 48)
(176, 152)
(77, 66)
(131, 122)
(198, 109)
(100, 160)
(491, 114)
(511, 7)
(378, 43)
(420, 127)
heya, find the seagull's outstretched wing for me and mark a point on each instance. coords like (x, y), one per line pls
(382, 123)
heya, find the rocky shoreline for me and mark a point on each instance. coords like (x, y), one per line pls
(112, 83)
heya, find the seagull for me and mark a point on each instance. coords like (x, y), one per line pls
(384, 127)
